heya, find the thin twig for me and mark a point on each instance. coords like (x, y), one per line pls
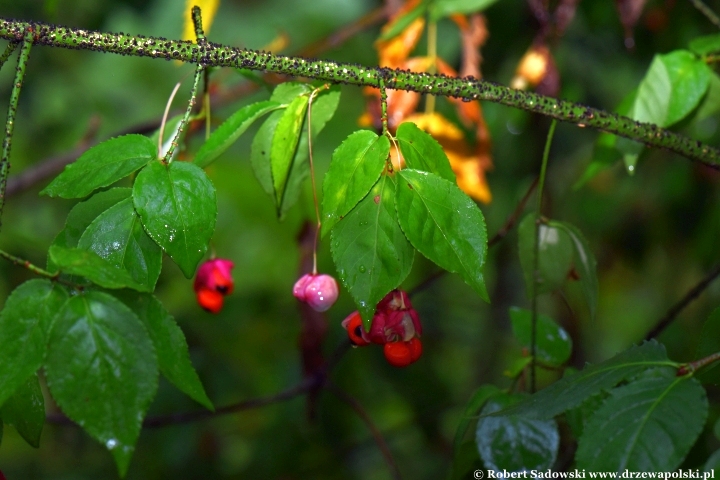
(8, 51)
(707, 11)
(12, 110)
(216, 55)
(51, 166)
(37, 270)
(183, 123)
(379, 440)
(536, 256)
(675, 310)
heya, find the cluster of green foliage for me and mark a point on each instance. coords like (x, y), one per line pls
(97, 330)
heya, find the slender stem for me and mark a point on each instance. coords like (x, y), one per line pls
(379, 440)
(536, 256)
(37, 270)
(12, 111)
(161, 134)
(27, 265)
(707, 11)
(383, 107)
(697, 364)
(432, 53)
(197, 23)
(206, 103)
(675, 310)
(312, 176)
(468, 87)
(8, 51)
(193, 93)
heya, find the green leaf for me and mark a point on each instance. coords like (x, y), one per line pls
(355, 167)
(117, 236)
(710, 105)
(403, 22)
(102, 165)
(24, 325)
(553, 345)
(178, 209)
(422, 152)
(285, 142)
(709, 344)
(462, 459)
(288, 91)
(371, 253)
(170, 345)
(443, 224)
(323, 108)
(647, 425)
(230, 130)
(260, 152)
(25, 410)
(102, 370)
(584, 262)
(578, 417)
(445, 8)
(555, 255)
(512, 443)
(673, 86)
(90, 265)
(572, 391)
(83, 214)
(706, 44)
(477, 400)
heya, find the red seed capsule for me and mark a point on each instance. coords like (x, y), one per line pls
(354, 326)
(398, 354)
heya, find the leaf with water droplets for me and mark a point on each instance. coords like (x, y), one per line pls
(443, 224)
(422, 152)
(102, 370)
(102, 165)
(355, 167)
(90, 265)
(178, 209)
(24, 324)
(25, 410)
(117, 236)
(369, 249)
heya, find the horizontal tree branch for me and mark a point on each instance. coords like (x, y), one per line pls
(468, 88)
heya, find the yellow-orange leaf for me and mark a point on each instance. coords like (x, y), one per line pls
(469, 166)
(208, 8)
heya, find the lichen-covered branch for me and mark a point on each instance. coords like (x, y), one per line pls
(27, 43)
(210, 54)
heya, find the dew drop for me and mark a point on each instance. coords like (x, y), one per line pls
(362, 269)
(112, 443)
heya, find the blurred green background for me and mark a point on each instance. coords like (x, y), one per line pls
(655, 234)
